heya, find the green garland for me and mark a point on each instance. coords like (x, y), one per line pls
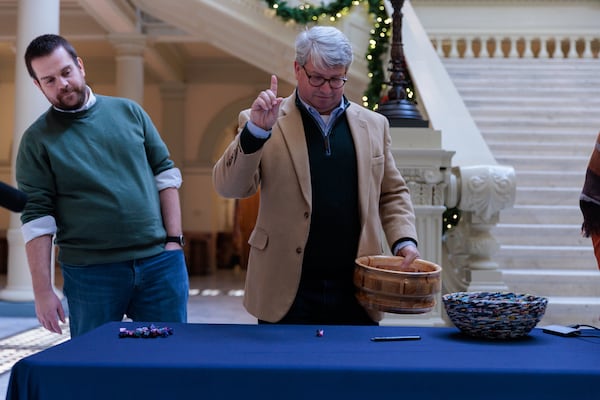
(378, 43)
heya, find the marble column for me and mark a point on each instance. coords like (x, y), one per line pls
(34, 18)
(130, 65)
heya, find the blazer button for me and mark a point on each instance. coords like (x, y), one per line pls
(298, 250)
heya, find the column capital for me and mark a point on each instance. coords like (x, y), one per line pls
(130, 49)
(485, 190)
(128, 44)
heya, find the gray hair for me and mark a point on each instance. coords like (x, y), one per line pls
(325, 46)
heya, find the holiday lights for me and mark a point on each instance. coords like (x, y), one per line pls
(306, 13)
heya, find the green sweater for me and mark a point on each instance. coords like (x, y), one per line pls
(93, 171)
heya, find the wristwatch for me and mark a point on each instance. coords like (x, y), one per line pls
(175, 239)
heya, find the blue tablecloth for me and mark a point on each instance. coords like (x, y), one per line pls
(291, 362)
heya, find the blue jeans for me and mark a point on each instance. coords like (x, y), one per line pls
(153, 289)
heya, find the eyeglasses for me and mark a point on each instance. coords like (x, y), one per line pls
(318, 81)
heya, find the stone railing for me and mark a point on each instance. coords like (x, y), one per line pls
(515, 46)
(511, 29)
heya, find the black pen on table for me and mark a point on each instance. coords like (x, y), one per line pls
(394, 338)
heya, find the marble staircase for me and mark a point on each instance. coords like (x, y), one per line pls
(540, 116)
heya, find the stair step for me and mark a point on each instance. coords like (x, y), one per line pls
(564, 310)
(524, 122)
(554, 282)
(535, 162)
(548, 196)
(533, 66)
(551, 179)
(475, 96)
(540, 131)
(521, 256)
(555, 80)
(507, 148)
(539, 234)
(541, 214)
(536, 115)
(566, 139)
(541, 103)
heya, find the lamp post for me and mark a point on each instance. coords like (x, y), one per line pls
(400, 110)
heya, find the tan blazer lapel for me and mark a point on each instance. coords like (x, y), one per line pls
(362, 144)
(289, 126)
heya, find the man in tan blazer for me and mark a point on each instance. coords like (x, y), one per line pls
(329, 189)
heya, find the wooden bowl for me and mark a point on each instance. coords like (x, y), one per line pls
(383, 285)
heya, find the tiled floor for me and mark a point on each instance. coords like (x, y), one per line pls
(214, 298)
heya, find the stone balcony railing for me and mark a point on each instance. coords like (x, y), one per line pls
(511, 29)
(515, 46)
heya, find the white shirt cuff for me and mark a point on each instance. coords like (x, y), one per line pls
(170, 178)
(38, 227)
(257, 131)
(402, 245)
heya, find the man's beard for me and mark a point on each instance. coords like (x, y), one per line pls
(79, 92)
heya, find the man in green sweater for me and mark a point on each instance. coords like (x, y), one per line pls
(99, 179)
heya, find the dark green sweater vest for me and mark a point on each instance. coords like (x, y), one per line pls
(335, 228)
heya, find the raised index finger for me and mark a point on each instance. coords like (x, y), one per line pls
(274, 85)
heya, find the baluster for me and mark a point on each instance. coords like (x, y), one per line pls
(454, 47)
(578, 42)
(587, 47)
(572, 51)
(514, 50)
(469, 47)
(527, 51)
(543, 47)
